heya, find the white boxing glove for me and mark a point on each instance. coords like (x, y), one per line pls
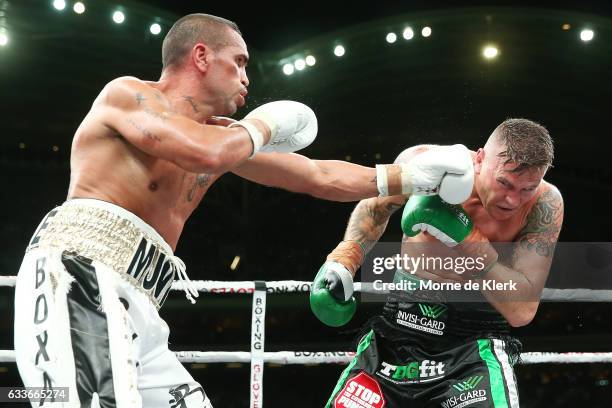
(444, 170)
(293, 126)
(455, 188)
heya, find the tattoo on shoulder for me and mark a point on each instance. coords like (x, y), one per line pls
(543, 224)
(140, 98)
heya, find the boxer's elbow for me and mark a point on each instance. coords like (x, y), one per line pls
(522, 315)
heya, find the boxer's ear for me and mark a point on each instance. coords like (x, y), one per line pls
(201, 55)
(480, 155)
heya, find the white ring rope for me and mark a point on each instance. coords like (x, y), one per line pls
(292, 286)
(342, 357)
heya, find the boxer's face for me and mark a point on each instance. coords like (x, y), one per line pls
(227, 80)
(502, 191)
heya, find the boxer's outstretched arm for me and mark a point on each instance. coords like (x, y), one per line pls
(531, 260)
(333, 180)
(139, 114)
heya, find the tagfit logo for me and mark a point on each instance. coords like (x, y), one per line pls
(413, 372)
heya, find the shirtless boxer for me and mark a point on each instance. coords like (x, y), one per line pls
(457, 354)
(99, 266)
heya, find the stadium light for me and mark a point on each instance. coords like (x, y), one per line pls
(311, 60)
(155, 29)
(59, 4)
(288, 69)
(587, 35)
(408, 34)
(299, 64)
(490, 52)
(78, 7)
(118, 17)
(391, 38)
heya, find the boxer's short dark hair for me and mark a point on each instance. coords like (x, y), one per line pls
(191, 29)
(527, 143)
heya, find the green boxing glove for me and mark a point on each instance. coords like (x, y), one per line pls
(450, 224)
(331, 296)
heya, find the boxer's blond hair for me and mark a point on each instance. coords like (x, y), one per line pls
(192, 29)
(524, 142)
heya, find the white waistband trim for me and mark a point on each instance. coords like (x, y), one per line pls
(107, 233)
(123, 213)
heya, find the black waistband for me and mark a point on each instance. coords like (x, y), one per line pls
(438, 314)
(445, 321)
(392, 336)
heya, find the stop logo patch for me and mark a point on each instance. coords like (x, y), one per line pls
(361, 391)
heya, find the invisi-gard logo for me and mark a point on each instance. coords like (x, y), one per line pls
(467, 393)
(432, 311)
(468, 384)
(414, 372)
(426, 322)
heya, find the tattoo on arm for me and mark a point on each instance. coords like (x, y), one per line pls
(368, 222)
(201, 181)
(543, 225)
(144, 131)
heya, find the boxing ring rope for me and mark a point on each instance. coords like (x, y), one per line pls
(257, 356)
(293, 286)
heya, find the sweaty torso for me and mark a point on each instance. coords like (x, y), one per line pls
(104, 166)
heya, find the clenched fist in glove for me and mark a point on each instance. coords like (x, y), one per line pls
(292, 125)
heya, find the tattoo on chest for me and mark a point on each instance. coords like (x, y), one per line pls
(201, 181)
